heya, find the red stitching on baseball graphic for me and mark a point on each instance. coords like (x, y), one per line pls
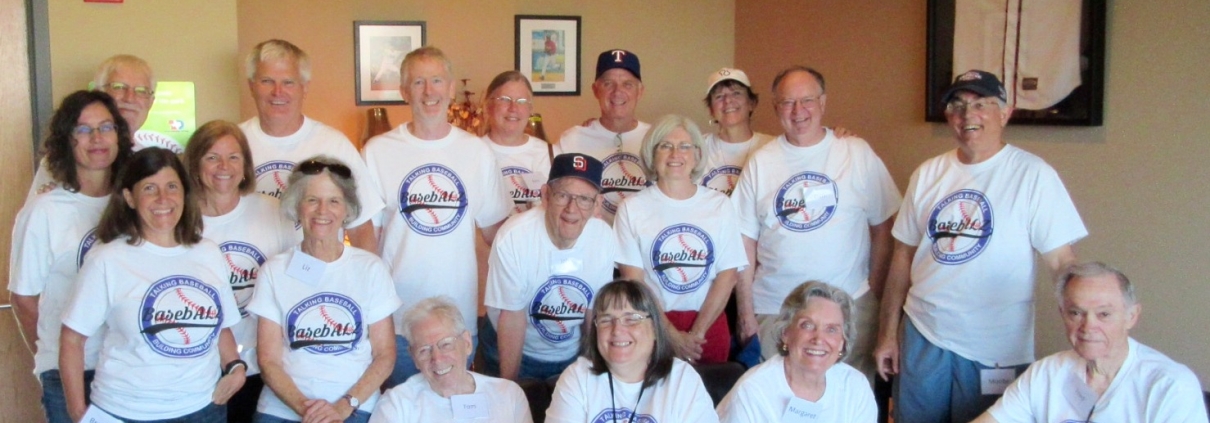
(243, 273)
(512, 179)
(332, 323)
(622, 167)
(196, 308)
(179, 331)
(184, 335)
(277, 179)
(965, 218)
(730, 182)
(569, 303)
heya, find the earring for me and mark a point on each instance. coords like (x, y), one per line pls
(784, 348)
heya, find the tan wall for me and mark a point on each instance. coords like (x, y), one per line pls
(183, 40)
(19, 393)
(1138, 181)
(679, 42)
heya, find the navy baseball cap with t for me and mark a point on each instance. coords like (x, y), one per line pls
(577, 165)
(979, 82)
(618, 59)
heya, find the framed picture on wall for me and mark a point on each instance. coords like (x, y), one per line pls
(378, 49)
(548, 52)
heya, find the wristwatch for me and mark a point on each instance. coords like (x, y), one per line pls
(230, 367)
(352, 400)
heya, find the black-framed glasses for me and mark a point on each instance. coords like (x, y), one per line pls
(627, 320)
(518, 101)
(140, 91)
(85, 131)
(561, 199)
(313, 167)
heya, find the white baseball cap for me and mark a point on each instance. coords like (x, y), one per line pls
(725, 74)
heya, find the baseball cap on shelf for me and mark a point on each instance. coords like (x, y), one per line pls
(577, 165)
(727, 74)
(976, 81)
(618, 59)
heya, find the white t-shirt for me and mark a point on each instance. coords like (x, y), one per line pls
(554, 287)
(434, 190)
(1149, 387)
(274, 159)
(52, 234)
(810, 210)
(976, 228)
(327, 347)
(247, 236)
(723, 161)
(681, 245)
(161, 310)
(581, 396)
(623, 175)
(763, 395)
(415, 402)
(525, 169)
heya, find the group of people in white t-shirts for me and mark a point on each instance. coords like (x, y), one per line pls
(274, 253)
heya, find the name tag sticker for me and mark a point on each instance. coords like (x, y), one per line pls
(818, 196)
(801, 411)
(306, 268)
(533, 181)
(995, 381)
(473, 406)
(1078, 393)
(564, 262)
(96, 415)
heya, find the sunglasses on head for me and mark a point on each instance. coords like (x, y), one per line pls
(313, 167)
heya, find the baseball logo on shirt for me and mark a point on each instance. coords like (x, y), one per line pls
(559, 307)
(324, 323)
(611, 415)
(960, 227)
(722, 178)
(432, 199)
(682, 256)
(621, 177)
(806, 201)
(271, 177)
(86, 243)
(180, 316)
(514, 181)
(243, 262)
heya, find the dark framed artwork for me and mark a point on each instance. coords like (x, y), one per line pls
(548, 53)
(378, 49)
(1049, 53)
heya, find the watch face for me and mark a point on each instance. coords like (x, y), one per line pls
(353, 401)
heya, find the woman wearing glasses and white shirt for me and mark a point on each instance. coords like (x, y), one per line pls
(682, 239)
(627, 372)
(325, 337)
(524, 161)
(445, 391)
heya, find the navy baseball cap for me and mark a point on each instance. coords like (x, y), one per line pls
(618, 59)
(979, 82)
(577, 165)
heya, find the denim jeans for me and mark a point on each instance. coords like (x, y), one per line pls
(54, 402)
(531, 368)
(211, 413)
(406, 368)
(358, 416)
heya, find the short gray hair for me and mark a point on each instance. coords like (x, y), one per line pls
(112, 64)
(656, 135)
(274, 50)
(799, 68)
(797, 301)
(297, 185)
(426, 52)
(441, 307)
(1094, 269)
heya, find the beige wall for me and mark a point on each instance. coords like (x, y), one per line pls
(183, 40)
(1132, 179)
(679, 42)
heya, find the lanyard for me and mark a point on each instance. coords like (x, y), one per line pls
(614, 407)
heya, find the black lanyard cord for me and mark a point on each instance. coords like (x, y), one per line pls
(614, 406)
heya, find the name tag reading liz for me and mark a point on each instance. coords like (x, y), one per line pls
(306, 268)
(995, 381)
(473, 406)
(801, 411)
(564, 262)
(819, 196)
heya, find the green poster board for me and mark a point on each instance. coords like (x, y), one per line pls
(172, 114)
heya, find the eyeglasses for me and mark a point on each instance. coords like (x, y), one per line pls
(979, 106)
(313, 167)
(584, 202)
(444, 345)
(518, 101)
(805, 102)
(144, 92)
(84, 131)
(627, 320)
(683, 147)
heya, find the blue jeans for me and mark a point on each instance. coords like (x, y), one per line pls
(936, 385)
(531, 368)
(406, 368)
(358, 416)
(54, 401)
(211, 413)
